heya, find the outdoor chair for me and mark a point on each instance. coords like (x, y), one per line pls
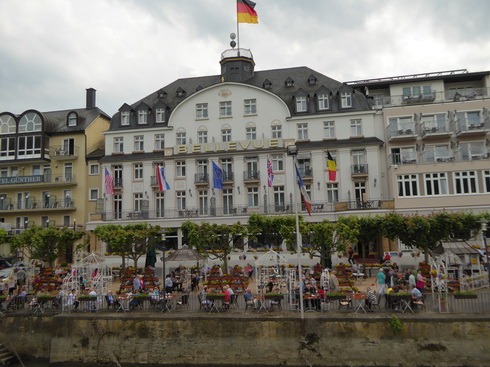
(234, 301)
(184, 302)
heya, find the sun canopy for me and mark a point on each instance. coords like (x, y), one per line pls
(185, 254)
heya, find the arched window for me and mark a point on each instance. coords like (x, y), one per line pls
(7, 124)
(30, 122)
(72, 119)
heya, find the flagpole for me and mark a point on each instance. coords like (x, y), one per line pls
(238, 33)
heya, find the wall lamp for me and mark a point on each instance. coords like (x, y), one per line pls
(190, 192)
(318, 184)
(238, 188)
(375, 181)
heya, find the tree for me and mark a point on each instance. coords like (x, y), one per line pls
(45, 244)
(132, 240)
(214, 240)
(272, 230)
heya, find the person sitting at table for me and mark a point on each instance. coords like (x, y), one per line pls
(111, 300)
(321, 296)
(249, 298)
(207, 304)
(371, 300)
(390, 303)
(169, 284)
(72, 301)
(416, 293)
(227, 298)
(133, 301)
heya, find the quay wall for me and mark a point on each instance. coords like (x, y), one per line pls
(318, 340)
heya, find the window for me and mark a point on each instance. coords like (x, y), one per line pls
(403, 155)
(68, 147)
(118, 145)
(227, 167)
(407, 185)
(72, 119)
(139, 143)
(332, 192)
(7, 147)
(180, 168)
(7, 125)
(142, 117)
(251, 133)
(181, 138)
(276, 132)
(472, 151)
(94, 169)
(436, 184)
(401, 126)
(159, 141)
(250, 107)
(93, 194)
(433, 123)
(125, 118)
(138, 171)
(465, 182)
(356, 127)
(252, 172)
(117, 206)
(160, 116)
(346, 100)
(279, 197)
(436, 153)
(486, 180)
(323, 102)
(29, 146)
(277, 163)
(253, 196)
(160, 204)
(302, 131)
(360, 191)
(138, 201)
(416, 92)
(228, 201)
(68, 172)
(201, 111)
(328, 129)
(30, 122)
(226, 135)
(225, 109)
(180, 200)
(301, 104)
(202, 137)
(203, 202)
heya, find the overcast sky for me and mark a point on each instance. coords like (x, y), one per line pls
(52, 50)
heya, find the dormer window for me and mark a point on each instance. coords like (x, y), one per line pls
(301, 104)
(125, 118)
(160, 116)
(312, 80)
(289, 82)
(72, 119)
(162, 93)
(142, 117)
(346, 99)
(323, 101)
(180, 92)
(267, 84)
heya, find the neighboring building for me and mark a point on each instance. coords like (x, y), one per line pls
(48, 161)
(239, 120)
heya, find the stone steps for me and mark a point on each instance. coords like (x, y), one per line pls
(6, 357)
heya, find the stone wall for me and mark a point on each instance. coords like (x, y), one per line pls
(251, 340)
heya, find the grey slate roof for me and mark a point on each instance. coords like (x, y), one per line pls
(57, 120)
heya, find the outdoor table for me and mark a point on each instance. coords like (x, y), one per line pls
(310, 302)
(359, 301)
(217, 301)
(358, 276)
(406, 303)
(167, 302)
(275, 300)
(123, 303)
(262, 303)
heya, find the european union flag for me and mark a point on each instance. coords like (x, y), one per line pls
(217, 177)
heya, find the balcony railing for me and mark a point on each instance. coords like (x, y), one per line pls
(251, 175)
(359, 169)
(38, 179)
(201, 178)
(63, 152)
(305, 172)
(228, 176)
(471, 125)
(36, 205)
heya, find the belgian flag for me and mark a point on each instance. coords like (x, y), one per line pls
(331, 167)
(245, 12)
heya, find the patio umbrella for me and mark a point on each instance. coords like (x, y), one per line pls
(151, 257)
(185, 254)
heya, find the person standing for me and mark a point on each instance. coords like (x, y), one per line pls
(136, 283)
(351, 256)
(169, 285)
(381, 279)
(333, 282)
(20, 277)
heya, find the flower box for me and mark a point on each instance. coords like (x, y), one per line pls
(87, 298)
(465, 296)
(333, 297)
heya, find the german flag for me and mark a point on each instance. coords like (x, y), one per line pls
(245, 12)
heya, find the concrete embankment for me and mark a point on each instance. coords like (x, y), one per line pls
(252, 340)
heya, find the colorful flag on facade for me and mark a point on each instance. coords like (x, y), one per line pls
(245, 12)
(217, 177)
(162, 182)
(331, 167)
(304, 195)
(109, 183)
(270, 173)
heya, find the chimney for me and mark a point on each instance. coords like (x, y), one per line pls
(90, 98)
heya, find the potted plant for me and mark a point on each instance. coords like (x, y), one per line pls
(335, 295)
(274, 296)
(86, 298)
(465, 295)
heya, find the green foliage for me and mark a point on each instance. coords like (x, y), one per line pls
(396, 324)
(272, 230)
(45, 244)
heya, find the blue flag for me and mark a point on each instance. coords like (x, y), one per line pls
(217, 177)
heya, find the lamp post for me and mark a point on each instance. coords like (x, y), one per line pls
(75, 224)
(484, 224)
(292, 151)
(164, 247)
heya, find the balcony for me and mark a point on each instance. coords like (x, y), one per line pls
(398, 158)
(435, 130)
(251, 176)
(50, 204)
(62, 152)
(201, 179)
(37, 180)
(228, 176)
(359, 170)
(401, 133)
(471, 127)
(306, 173)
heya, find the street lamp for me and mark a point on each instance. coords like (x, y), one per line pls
(292, 150)
(484, 224)
(164, 247)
